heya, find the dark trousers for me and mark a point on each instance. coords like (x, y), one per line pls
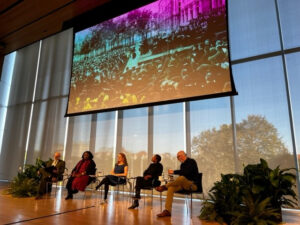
(140, 184)
(106, 183)
(69, 187)
(46, 177)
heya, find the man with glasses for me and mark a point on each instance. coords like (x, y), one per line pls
(52, 172)
(186, 180)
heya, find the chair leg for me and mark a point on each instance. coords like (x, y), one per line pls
(130, 190)
(55, 188)
(191, 211)
(47, 187)
(186, 202)
(160, 197)
(100, 190)
(151, 198)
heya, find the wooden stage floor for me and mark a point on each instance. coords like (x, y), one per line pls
(87, 210)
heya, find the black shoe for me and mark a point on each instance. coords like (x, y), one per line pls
(136, 197)
(97, 187)
(69, 197)
(134, 205)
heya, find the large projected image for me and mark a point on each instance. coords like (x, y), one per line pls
(165, 51)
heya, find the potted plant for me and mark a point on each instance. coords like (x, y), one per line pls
(25, 184)
(255, 197)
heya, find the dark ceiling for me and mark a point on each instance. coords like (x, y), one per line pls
(23, 22)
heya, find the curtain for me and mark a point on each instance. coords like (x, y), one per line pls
(18, 111)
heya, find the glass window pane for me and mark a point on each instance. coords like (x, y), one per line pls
(47, 132)
(211, 134)
(6, 78)
(253, 28)
(263, 125)
(289, 12)
(3, 113)
(78, 139)
(5, 84)
(104, 145)
(55, 66)
(135, 140)
(293, 68)
(168, 136)
(24, 74)
(14, 140)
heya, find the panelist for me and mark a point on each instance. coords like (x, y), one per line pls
(80, 178)
(117, 176)
(52, 172)
(187, 180)
(149, 179)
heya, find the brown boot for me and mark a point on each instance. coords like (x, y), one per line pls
(164, 213)
(161, 188)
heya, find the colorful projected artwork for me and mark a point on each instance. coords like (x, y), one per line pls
(165, 51)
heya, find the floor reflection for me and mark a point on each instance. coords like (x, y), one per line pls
(85, 209)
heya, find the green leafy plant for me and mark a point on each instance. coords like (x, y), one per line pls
(256, 197)
(255, 212)
(25, 184)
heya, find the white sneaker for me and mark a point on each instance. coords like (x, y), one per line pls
(103, 201)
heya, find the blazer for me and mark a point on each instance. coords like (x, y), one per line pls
(60, 166)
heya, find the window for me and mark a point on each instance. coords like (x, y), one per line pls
(211, 137)
(248, 35)
(135, 140)
(168, 133)
(262, 119)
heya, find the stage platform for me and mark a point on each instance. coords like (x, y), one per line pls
(85, 209)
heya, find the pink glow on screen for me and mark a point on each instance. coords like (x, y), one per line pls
(165, 51)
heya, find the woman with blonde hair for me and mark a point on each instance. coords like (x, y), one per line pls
(117, 175)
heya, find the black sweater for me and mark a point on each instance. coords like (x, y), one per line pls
(155, 170)
(188, 169)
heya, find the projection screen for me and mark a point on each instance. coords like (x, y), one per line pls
(167, 51)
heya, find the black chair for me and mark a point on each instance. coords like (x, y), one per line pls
(66, 176)
(123, 185)
(60, 179)
(92, 181)
(155, 183)
(117, 186)
(191, 192)
(90, 185)
(98, 178)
